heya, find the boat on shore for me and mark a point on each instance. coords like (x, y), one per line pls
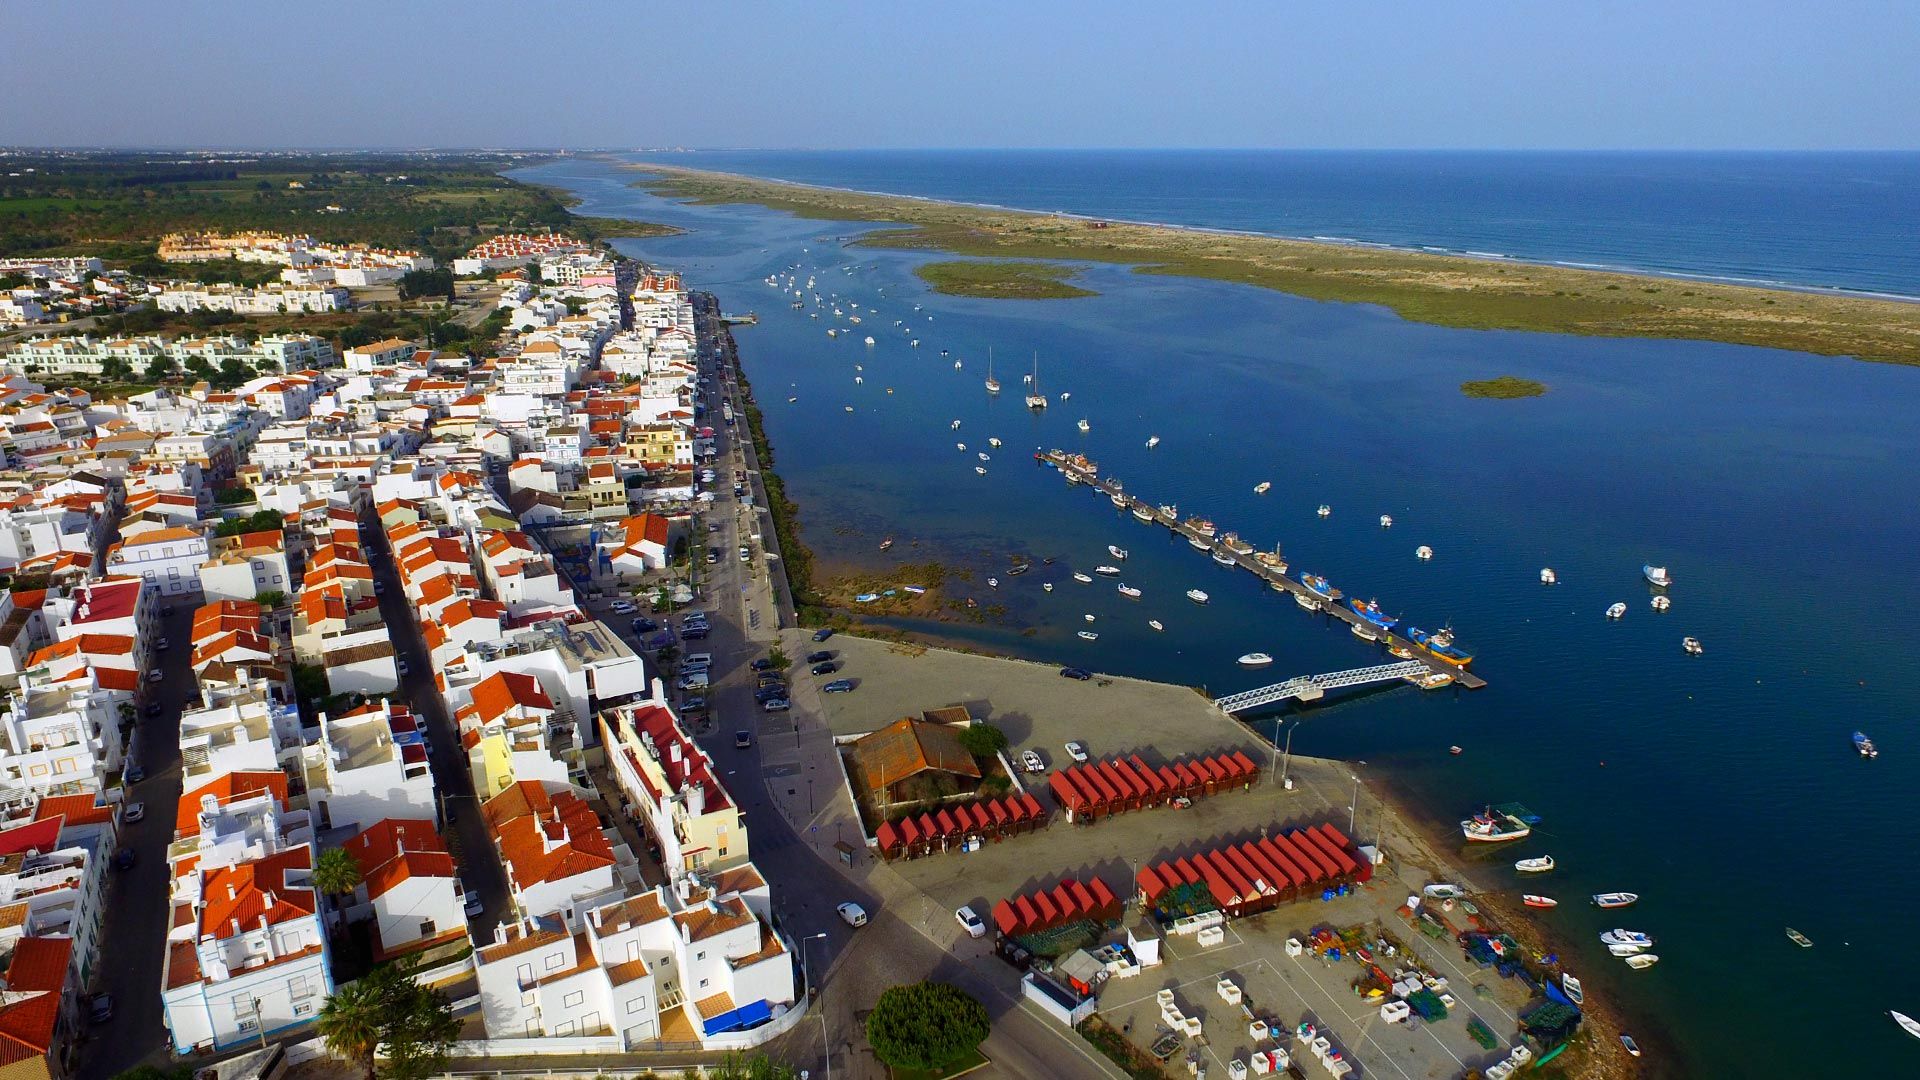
(1656, 576)
(1441, 645)
(1494, 827)
(1572, 986)
(1907, 1023)
(1535, 866)
(1799, 938)
(1632, 1048)
(1255, 659)
(1536, 901)
(1443, 891)
(1865, 746)
(1197, 596)
(1615, 899)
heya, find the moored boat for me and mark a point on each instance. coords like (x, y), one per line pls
(1019, 568)
(1440, 643)
(1224, 557)
(1632, 1048)
(1692, 646)
(1538, 865)
(1199, 543)
(1370, 611)
(1642, 961)
(1537, 901)
(1088, 635)
(1615, 899)
(1197, 596)
(1153, 441)
(1081, 578)
(1263, 487)
(1106, 571)
(1116, 551)
(1865, 746)
(1201, 525)
(1272, 560)
(1255, 659)
(1129, 591)
(1233, 543)
(1306, 601)
(887, 543)
(1142, 512)
(1660, 603)
(1432, 680)
(1364, 632)
(1494, 827)
(1316, 585)
(1325, 510)
(1625, 937)
(1799, 938)
(1907, 1023)
(1572, 986)
(1626, 950)
(1118, 499)
(1548, 577)
(1617, 611)
(1423, 553)
(1657, 576)
(1386, 521)
(1155, 623)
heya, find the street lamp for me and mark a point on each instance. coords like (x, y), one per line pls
(1353, 810)
(821, 1003)
(1288, 772)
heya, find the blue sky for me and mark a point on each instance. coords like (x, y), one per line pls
(1682, 74)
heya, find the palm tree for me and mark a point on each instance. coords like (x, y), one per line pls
(350, 1022)
(335, 872)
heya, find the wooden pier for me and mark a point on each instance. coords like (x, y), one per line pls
(1269, 567)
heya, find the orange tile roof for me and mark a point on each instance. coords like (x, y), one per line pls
(26, 1025)
(227, 788)
(501, 691)
(546, 837)
(251, 890)
(391, 851)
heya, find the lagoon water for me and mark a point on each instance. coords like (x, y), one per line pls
(1778, 488)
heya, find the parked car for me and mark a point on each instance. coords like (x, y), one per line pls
(825, 669)
(713, 556)
(155, 675)
(970, 922)
(746, 553)
(762, 664)
(400, 666)
(123, 859)
(838, 686)
(690, 617)
(695, 633)
(100, 1009)
(742, 739)
(697, 660)
(770, 692)
(136, 773)
(820, 657)
(853, 913)
(1030, 760)
(697, 703)
(1076, 673)
(474, 907)
(133, 812)
(823, 633)
(623, 607)
(644, 625)
(163, 645)
(778, 704)
(1077, 752)
(692, 680)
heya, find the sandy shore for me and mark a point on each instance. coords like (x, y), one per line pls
(1446, 290)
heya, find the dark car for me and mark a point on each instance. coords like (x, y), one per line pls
(136, 773)
(768, 693)
(762, 664)
(820, 657)
(695, 632)
(123, 859)
(694, 704)
(825, 669)
(838, 686)
(1076, 673)
(823, 633)
(742, 739)
(644, 625)
(100, 1009)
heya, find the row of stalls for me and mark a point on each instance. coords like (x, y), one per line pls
(960, 826)
(1070, 901)
(1256, 875)
(1095, 790)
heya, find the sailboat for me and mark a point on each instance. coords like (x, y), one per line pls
(993, 384)
(1035, 399)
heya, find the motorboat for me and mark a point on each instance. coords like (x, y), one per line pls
(1197, 596)
(1657, 576)
(1199, 543)
(1548, 577)
(1088, 635)
(1081, 578)
(960, 446)
(1364, 632)
(983, 457)
(1626, 950)
(1116, 551)
(1088, 617)
(1153, 441)
(1143, 512)
(1455, 751)
(1118, 499)
(1865, 745)
(955, 425)
(993, 582)
(1692, 645)
(1617, 611)
(1633, 1048)
(1325, 510)
(1625, 937)
(1799, 938)
(1263, 487)
(1155, 623)
(1224, 557)
(1535, 866)
(1642, 961)
(1107, 571)
(994, 442)
(1048, 587)
(980, 470)
(1661, 603)
(1615, 899)
(1386, 521)
(1255, 659)
(1400, 651)
(1536, 901)
(887, 543)
(1306, 601)
(1129, 591)
(1572, 986)
(1423, 553)
(1084, 426)
(1493, 827)
(869, 336)
(1907, 1023)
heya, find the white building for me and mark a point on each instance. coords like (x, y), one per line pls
(168, 561)
(370, 763)
(409, 886)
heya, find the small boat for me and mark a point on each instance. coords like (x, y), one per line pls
(1643, 961)
(1535, 866)
(1089, 635)
(994, 442)
(1325, 510)
(917, 590)
(1081, 578)
(869, 336)
(1661, 603)
(1129, 591)
(1224, 557)
(1035, 399)
(1263, 487)
(1199, 543)
(1116, 552)
(1799, 938)
(1548, 577)
(993, 582)
(1633, 1048)
(1492, 827)
(1626, 950)
(1084, 426)
(1197, 596)
(1865, 745)
(1255, 659)
(1423, 553)
(1625, 937)
(1400, 651)
(1169, 511)
(1657, 576)
(983, 456)
(1692, 645)
(1386, 521)
(1455, 751)
(980, 470)
(1048, 587)
(1572, 986)
(956, 365)
(1617, 611)
(1107, 571)
(1155, 623)
(1443, 891)
(887, 543)
(1533, 900)
(1019, 568)
(791, 399)
(955, 425)
(1143, 512)
(848, 408)
(1202, 526)
(859, 379)
(1907, 1023)
(1364, 632)
(1153, 442)
(833, 333)
(960, 446)
(1615, 899)
(866, 598)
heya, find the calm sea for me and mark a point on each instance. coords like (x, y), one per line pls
(1778, 487)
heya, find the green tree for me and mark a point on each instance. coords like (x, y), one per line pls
(983, 740)
(351, 1022)
(158, 368)
(928, 1025)
(758, 1067)
(115, 369)
(335, 872)
(199, 368)
(270, 599)
(233, 371)
(418, 283)
(419, 1031)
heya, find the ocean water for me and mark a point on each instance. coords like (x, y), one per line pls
(1823, 221)
(1778, 487)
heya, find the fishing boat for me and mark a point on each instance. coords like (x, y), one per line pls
(1199, 543)
(887, 543)
(1325, 510)
(1799, 938)
(1657, 576)
(1625, 937)
(1907, 1023)
(1548, 577)
(1535, 866)
(1572, 986)
(1633, 1048)
(1142, 512)
(1035, 399)
(1386, 521)
(1661, 603)
(1088, 635)
(1865, 746)
(1263, 487)
(1155, 623)
(1118, 499)
(1316, 585)
(1364, 632)
(1272, 560)
(1084, 426)
(1534, 900)
(1692, 646)
(1129, 591)
(1169, 511)
(1423, 553)
(1197, 596)
(1116, 551)
(1081, 578)
(1153, 441)
(1107, 571)
(1615, 899)
(1370, 611)
(1255, 659)
(1440, 643)
(1224, 557)
(1201, 525)
(1494, 827)
(1617, 611)
(1233, 543)
(1400, 651)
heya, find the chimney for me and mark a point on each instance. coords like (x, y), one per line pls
(696, 800)
(232, 895)
(500, 933)
(236, 927)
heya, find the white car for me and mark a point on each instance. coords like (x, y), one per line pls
(623, 607)
(970, 922)
(1032, 763)
(1077, 752)
(853, 913)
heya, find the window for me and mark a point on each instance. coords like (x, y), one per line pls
(426, 928)
(303, 1008)
(527, 999)
(525, 972)
(637, 1005)
(553, 961)
(704, 982)
(250, 1024)
(533, 1029)
(700, 956)
(565, 1029)
(578, 997)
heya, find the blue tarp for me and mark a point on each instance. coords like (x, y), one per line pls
(1554, 993)
(745, 1016)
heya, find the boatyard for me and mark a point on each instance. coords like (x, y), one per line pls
(1270, 567)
